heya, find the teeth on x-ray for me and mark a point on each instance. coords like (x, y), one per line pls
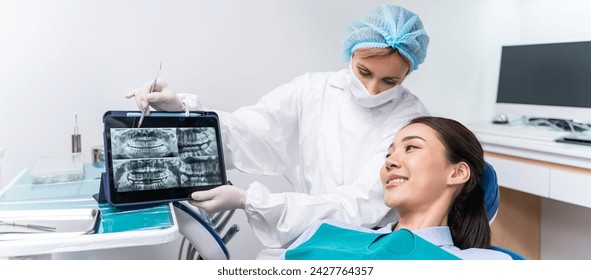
(145, 174)
(161, 158)
(197, 142)
(198, 152)
(144, 143)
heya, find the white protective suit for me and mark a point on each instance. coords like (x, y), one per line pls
(329, 148)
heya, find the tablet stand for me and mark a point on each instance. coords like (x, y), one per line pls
(100, 196)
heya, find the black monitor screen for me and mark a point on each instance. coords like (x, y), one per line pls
(546, 74)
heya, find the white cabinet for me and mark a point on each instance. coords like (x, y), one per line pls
(558, 182)
(571, 186)
(521, 176)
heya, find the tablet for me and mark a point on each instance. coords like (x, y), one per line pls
(166, 159)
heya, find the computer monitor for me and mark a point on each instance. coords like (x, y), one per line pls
(546, 81)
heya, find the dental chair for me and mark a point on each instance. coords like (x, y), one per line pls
(491, 201)
(202, 233)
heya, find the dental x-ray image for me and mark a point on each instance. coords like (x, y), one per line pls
(145, 174)
(198, 152)
(162, 158)
(135, 143)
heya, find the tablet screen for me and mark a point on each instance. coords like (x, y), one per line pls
(165, 160)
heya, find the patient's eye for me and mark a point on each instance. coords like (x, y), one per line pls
(388, 155)
(410, 148)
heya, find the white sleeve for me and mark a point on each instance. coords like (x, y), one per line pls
(191, 101)
(277, 219)
(257, 138)
(263, 139)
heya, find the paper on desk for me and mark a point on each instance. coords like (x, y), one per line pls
(66, 222)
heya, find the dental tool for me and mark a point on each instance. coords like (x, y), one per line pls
(151, 90)
(37, 227)
(76, 138)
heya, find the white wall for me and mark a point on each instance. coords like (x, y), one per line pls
(60, 57)
(459, 79)
(556, 21)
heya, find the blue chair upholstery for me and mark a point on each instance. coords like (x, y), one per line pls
(490, 185)
(513, 254)
(492, 199)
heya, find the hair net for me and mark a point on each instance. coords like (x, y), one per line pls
(388, 26)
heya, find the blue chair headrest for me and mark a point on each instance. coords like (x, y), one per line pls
(489, 184)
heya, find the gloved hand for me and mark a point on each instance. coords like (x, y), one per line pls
(161, 98)
(219, 199)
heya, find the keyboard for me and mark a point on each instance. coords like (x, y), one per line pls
(522, 131)
(532, 142)
(576, 139)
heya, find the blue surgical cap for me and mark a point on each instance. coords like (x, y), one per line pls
(388, 26)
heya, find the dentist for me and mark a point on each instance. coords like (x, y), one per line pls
(326, 133)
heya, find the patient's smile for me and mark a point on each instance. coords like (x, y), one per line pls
(395, 180)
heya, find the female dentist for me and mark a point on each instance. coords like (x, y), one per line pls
(326, 133)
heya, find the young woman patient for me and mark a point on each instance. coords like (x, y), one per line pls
(431, 177)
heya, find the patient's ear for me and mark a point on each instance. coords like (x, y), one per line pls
(459, 174)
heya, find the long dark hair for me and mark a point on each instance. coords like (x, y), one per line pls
(467, 218)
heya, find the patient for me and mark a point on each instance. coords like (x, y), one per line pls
(431, 177)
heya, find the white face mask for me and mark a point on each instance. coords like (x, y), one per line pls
(363, 98)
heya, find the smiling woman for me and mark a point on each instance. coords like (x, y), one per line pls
(431, 176)
(438, 162)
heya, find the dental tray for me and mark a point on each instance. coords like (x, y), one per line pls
(58, 169)
(40, 224)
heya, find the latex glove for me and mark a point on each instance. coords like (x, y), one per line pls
(222, 198)
(161, 98)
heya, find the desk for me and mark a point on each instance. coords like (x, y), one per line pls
(21, 194)
(528, 160)
(531, 166)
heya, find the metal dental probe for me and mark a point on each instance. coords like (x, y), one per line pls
(37, 227)
(151, 90)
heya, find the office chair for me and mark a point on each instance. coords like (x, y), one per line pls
(203, 233)
(491, 201)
